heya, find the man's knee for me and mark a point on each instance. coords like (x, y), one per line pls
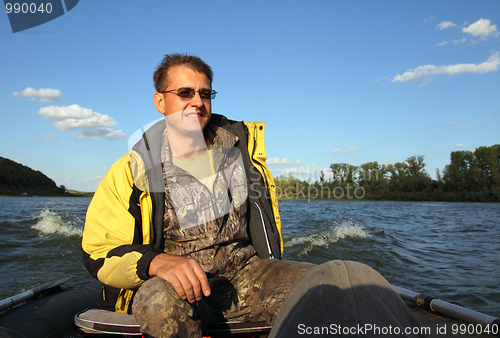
(162, 313)
(152, 293)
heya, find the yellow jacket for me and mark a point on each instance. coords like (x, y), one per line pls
(124, 222)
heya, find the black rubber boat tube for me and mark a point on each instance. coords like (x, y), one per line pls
(445, 308)
(30, 294)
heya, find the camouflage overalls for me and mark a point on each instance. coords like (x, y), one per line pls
(211, 227)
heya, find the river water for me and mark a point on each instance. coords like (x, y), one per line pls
(448, 250)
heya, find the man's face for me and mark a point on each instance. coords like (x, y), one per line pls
(184, 116)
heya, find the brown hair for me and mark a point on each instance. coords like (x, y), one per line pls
(160, 76)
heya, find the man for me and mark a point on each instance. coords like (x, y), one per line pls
(190, 206)
(183, 229)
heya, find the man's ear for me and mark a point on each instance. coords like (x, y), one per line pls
(159, 102)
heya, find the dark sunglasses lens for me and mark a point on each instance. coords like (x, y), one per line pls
(185, 92)
(206, 94)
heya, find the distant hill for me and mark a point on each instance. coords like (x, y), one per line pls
(17, 179)
(79, 193)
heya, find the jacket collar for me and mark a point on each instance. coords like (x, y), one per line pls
(151, 141)
(221, 141)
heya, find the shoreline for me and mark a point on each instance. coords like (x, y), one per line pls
(380, 200)
(67, 193)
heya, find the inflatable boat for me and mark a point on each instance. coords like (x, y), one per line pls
(55, 311)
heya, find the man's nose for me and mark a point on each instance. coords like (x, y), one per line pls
(196, 101)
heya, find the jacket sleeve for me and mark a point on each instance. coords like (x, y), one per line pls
(117, 233)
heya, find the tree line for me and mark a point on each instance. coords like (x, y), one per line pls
(472, 176)
(17, 179)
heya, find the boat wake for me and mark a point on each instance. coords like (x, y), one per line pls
(51, 223)
(325, 237)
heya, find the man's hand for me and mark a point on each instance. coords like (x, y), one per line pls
(185, 274)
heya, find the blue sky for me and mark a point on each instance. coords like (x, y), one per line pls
(335, 81)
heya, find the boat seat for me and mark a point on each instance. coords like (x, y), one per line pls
(97, 321)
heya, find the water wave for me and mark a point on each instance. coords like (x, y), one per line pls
(325, 237)
(51, 223)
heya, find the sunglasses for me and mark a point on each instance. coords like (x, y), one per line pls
(188, 93)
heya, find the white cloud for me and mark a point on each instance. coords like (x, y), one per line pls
(481, 28)
(445, 42)
(73, 117)
(451, 122)
(44, 94)
(460, 145)
(344, 150)
(458, 42)
(70, 178)
(421, 74)
(445, 24)
(429, 19)
(93, 179)
(18, 160)
(275, 161)
(96, 133)
(37, 138)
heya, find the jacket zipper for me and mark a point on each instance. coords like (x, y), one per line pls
(265, 232)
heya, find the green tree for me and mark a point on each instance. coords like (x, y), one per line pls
(398, 176)
(343, 173)
(462, 174)
(373, 178)
(488, 163)
(418, 180)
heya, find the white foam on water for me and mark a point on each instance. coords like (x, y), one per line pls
(50, 223)
(349, 230)
(326, 237)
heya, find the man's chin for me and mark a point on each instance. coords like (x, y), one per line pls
(194, 130)
(202, 123)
